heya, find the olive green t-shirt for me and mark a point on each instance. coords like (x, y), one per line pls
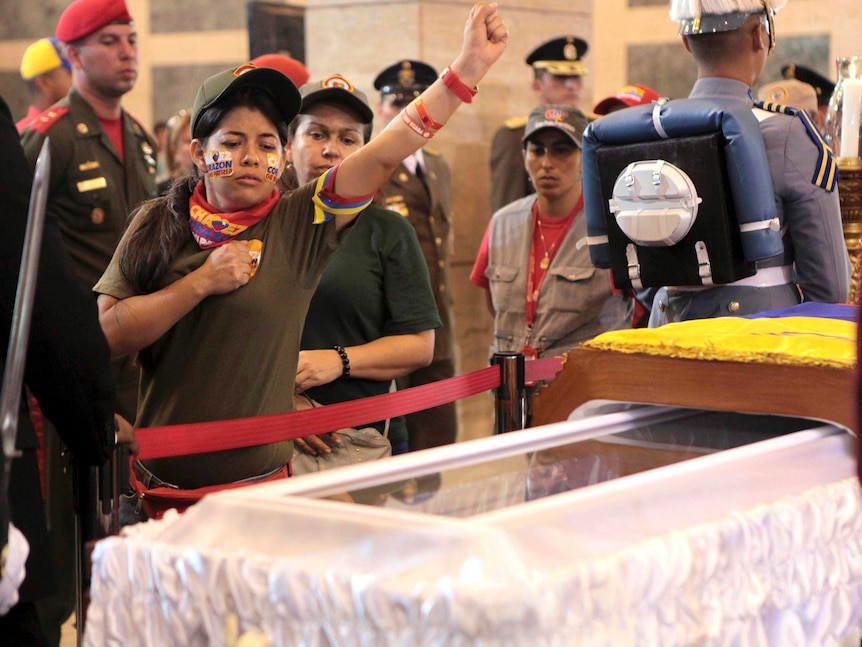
(234, 355)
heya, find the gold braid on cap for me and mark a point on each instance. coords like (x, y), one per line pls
(562, 68)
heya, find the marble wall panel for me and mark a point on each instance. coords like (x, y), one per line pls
(811, 51)
(174, 88)
(670, 70)
(30, 20)
(13, 92)
(196, 15)
(667, 68)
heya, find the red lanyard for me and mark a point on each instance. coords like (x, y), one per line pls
(536, 273)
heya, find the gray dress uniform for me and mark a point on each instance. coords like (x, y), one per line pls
(814, 266)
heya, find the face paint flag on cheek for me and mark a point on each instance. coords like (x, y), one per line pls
(273, 164)
(219, 163)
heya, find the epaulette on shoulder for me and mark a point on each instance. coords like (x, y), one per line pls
(140, 131)
(430, 151)
(826, 171)
(513, 123)
(48, 118)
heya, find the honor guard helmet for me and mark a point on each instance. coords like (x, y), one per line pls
(711, 16)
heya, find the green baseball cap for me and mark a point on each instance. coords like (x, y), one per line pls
(568, 120)
(225, 83)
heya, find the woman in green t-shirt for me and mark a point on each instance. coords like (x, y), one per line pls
(373, 315)
(211, 283)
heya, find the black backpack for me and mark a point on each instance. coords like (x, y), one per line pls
(679, 193)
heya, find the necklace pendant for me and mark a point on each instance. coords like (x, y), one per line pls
(544, 263)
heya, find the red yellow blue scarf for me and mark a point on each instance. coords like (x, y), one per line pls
(211, 228)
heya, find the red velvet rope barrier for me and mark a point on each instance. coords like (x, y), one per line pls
(199, 437)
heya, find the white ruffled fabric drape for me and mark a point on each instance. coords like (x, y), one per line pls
(783, 574)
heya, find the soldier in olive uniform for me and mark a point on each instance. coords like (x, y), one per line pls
(103, 164)
(420, 190)
(103, 161)
(558, 70)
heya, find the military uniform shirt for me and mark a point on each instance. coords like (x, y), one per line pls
(91, 191)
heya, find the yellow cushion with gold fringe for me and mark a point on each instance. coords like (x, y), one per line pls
(810, 341)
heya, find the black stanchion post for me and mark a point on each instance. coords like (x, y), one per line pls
(97, 516)
(510, 410)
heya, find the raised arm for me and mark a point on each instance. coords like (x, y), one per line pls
(485, 39)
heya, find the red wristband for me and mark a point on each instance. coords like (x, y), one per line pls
(415, 126)
(458, 87)
(429, 122)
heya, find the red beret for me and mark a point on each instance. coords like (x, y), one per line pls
(290, 67)
(83, 17)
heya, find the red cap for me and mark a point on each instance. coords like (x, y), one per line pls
(83, 17)
(290, 67)
(630, 95)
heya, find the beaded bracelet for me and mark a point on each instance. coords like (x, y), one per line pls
(458, 87)
(415, 126)
(345, 361)
(430, 124)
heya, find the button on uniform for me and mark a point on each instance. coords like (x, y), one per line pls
(733, 306)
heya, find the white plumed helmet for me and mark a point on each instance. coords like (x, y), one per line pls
(710, 16)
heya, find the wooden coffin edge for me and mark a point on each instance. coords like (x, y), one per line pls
(817, 392)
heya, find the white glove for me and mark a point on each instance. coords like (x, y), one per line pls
(14, 556)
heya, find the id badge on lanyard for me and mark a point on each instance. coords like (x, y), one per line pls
(529, 352)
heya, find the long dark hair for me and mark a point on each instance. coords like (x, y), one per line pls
(160, 227)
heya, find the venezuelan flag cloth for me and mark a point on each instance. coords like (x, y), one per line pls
(801, 336)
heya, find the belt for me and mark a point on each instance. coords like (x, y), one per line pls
(765, 277)
(150, 480)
